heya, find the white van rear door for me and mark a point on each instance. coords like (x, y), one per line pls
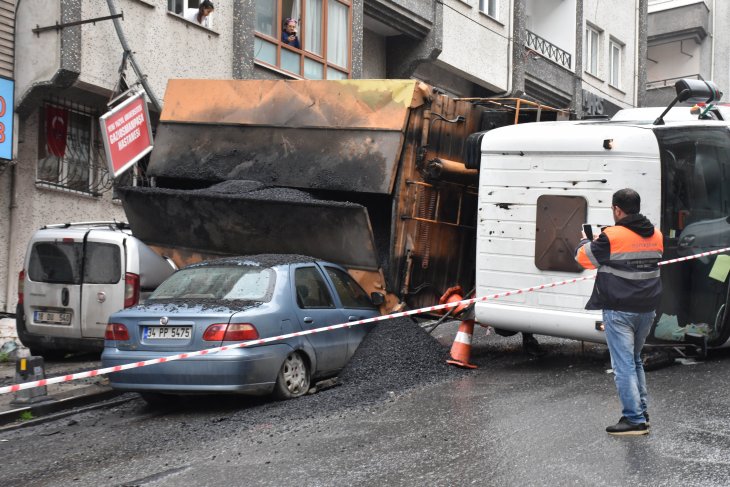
(102, 292)
(53, 287)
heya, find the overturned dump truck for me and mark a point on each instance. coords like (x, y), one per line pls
(376, 175)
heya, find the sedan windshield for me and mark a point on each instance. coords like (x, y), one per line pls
(244, 283)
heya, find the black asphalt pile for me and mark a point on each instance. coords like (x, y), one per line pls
(255, 190)
(396, 355)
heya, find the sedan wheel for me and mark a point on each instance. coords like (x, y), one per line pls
(293, 378)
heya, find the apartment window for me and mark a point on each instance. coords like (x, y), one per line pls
(324, 32)
(489, 7)
(188, 9)
(70, 153)
(615, 51)
(592, 48)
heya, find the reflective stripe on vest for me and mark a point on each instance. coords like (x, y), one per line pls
(631, 275)
(589, 254)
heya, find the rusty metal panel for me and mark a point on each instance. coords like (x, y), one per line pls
(341, 160)
(237, 224)
(349, 104)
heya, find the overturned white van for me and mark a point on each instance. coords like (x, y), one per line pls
(540, 182)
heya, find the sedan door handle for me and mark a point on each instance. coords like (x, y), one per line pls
(308, 319)
(353, 318)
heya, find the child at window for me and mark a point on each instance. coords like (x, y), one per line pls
(289, 33)
(201, 15)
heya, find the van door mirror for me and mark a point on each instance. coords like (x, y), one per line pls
(377, 298)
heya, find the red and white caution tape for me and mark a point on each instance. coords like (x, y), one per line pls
(261, 341)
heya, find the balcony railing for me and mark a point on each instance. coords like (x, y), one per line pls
(549, 50)
(663, 83)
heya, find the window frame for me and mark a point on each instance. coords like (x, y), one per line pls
(181, 15)
(326, 64)
(492, 9)
(618, 47)
(592, 32)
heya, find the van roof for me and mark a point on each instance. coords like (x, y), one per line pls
(111, 224)
(77, 230)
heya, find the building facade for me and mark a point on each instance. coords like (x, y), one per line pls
(685, 41)
(585, 55)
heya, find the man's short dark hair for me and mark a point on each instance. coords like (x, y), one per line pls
(628, 200)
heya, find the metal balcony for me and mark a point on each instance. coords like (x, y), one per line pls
(549, 50)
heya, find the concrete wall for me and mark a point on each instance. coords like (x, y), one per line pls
(37, 57)
(619, 20)
(165, 45)
(477, 49)
(374, 65)
(720, 71)
(674, 59)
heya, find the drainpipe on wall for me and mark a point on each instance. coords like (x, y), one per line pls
(637, 13)
(11, 243)
(510, 43)
(712, 51)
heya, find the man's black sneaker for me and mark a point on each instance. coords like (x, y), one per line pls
(625, 428)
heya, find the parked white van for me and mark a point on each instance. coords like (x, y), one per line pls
(75, 275)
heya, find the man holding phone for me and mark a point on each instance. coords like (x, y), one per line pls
(628, 289)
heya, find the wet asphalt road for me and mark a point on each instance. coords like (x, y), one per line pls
(517, 420)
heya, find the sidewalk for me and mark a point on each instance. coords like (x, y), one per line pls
(60, 396)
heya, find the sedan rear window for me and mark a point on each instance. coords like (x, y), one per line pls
(245, 283)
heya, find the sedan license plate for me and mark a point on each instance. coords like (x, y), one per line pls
(52, 317)
(167, 332)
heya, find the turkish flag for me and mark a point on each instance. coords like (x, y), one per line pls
(56, 130)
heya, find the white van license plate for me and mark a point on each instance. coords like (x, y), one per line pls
(52, 317)
(167, 332)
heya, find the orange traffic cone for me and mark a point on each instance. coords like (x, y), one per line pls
(461, 349)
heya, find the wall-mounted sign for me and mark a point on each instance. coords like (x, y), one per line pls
(594, 105)
(127, 134)
(6, 118)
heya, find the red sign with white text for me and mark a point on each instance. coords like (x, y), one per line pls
(127, 134)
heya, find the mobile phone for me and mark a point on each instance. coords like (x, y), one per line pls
(588, 230)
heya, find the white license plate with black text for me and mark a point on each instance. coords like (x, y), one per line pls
(167, 332)
(52, 317)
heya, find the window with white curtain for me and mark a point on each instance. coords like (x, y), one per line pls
(592, 49)
(489, 7)
(615, 51)
(324, 32)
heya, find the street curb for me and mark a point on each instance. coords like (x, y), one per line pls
(46, 411)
